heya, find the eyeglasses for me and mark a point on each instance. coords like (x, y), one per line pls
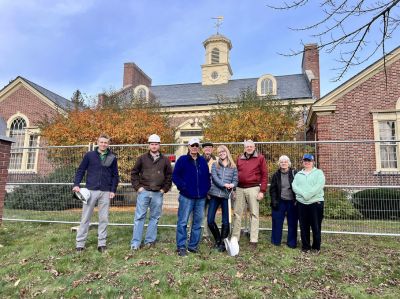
(307, 160)
(219, 153)
(194, 145)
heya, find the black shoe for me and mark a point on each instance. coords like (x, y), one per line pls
(80, 249)
(221, 248)
(102, 249)
(193, 250)
(182, 252)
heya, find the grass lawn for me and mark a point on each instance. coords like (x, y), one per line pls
(39, 260)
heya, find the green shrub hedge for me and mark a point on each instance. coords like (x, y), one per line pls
(339, 206)
(378, 203)
(45, 197)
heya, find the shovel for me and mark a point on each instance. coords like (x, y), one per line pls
(232, 245)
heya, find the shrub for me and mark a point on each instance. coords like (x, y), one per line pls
(45, 197)
(378, 203)
(265, 207)
(338, 206)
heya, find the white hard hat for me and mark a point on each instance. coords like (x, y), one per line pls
(232, 246)
(154, 138)
(83, 195)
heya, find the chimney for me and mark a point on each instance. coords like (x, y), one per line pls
(100, 100)
(310, 67)
(134, 76)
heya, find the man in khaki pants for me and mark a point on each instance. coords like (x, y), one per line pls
(253, 177)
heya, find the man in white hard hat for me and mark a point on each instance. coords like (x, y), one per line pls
(151, 177)
(102, 179)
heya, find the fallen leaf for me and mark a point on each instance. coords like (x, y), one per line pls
(154, 283)
(239, 275)
(17, 282)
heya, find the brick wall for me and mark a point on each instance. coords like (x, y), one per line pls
(27, 103)
(22, 100)
(5, 146)
(353, 120)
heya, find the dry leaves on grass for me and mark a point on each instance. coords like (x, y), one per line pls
(88, 278)
(145, 263)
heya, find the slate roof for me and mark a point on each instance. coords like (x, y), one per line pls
(55, 98)
(194, 94)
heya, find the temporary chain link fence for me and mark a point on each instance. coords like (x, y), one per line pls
(359, 199)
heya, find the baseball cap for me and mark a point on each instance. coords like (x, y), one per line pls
(308, 157)
(207, 143)
(194, 140)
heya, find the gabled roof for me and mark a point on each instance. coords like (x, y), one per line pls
(327, 102)
(194, 94)
(55, 98)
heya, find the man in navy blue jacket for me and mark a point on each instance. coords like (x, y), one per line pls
(192, 178)
(102, 179)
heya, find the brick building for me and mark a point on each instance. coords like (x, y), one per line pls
(366, 107)
(23, 104)
(189, 103)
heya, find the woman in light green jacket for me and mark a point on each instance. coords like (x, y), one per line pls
(308, 185)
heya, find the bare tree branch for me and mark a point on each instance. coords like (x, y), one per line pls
(342, 29)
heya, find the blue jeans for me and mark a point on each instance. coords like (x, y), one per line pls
(186, 207)
(146, 199)
(215, 202)
(286, 208)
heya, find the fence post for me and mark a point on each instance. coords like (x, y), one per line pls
(5, 147)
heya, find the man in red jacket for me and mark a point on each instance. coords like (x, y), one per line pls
(253, 177)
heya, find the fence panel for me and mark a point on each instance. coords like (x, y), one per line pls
(350, 167)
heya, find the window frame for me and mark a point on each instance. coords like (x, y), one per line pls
(379, 117)
(141, 87)
(262, 79)
(215, 56)
(27, 150)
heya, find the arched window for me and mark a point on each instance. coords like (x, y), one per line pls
(266, 86)
(215, 55)
(17, 132)
(141, 93)
(22, 155)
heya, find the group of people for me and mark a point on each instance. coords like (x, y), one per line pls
(205, 183)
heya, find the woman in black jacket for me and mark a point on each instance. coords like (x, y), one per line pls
(283, 203)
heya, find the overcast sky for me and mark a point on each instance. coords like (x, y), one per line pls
(69, 44)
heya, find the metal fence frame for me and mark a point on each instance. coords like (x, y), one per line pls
(231, 144)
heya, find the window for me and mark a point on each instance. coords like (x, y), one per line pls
(23, 153)
(141, 93)
(215, 56)
(387, 134)
(266, 85)
(191, 133)
(17, 132)
(388, 149)
(32, 151)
